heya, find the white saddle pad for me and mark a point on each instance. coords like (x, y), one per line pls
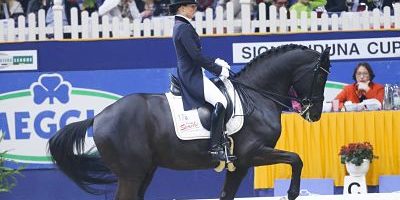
(187, 123)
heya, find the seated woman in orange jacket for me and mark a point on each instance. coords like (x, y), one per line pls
(363, 88)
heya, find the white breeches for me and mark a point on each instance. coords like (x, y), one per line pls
(212, 94)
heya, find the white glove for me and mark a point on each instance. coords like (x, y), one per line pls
(224, 74)
(222, 63)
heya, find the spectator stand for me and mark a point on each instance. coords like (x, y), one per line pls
(224, 22)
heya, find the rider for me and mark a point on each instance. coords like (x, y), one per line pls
(196, 88)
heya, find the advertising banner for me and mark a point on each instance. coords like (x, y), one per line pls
(18, 60)
(33, 106)
(74, 80)
(344, 49)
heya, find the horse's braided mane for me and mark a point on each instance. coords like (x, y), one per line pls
(270, 52)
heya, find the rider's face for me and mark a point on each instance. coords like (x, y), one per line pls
(188, 10)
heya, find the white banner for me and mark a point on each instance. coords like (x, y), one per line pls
(344, 49)
(18, 60)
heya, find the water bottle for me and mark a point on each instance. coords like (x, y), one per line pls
(388, 97)
(396, 97)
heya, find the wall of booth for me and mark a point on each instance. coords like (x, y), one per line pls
(103, 71)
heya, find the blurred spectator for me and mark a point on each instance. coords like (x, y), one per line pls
(148, 9)
(202, 5)
(153, 8)
(278, 4)
(91, 5)
(120, 8)
(306, 6)
(10, 9)
(336, 5)
(162, 8)
(140, 5)
(4, 14)
(66, 14)
(35, 5)
(99, 3)
(358, 5)
(24, 4)
(363, 88)
(380, 4)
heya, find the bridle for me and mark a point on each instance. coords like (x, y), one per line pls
(306, 102)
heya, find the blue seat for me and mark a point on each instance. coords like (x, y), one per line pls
(389, 183)
(307, 186)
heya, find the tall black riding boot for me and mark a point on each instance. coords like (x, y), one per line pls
(216, 129)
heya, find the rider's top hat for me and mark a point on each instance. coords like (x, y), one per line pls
(180, 2)
(176, 3)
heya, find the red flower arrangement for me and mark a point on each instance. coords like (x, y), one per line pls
(356, 152)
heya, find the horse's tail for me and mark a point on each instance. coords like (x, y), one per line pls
(67, 149)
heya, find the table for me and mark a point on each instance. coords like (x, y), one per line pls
(318, 145)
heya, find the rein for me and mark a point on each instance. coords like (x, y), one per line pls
(306, 102)
(270, 95)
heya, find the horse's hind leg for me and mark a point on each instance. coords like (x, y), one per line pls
(232, 183)
(128, 189)
(270, 156)
(130, 168)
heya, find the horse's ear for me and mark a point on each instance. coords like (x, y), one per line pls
(324, 59)
(325, 53)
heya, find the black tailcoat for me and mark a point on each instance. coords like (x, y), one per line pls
(190, 61)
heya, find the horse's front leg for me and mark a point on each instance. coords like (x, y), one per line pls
(232, 183)
(270, 156)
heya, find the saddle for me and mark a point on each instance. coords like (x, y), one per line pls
(206, 110)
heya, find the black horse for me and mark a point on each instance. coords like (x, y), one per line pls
(136, 134)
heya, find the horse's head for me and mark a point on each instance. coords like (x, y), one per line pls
(310, 87)
(272, 73)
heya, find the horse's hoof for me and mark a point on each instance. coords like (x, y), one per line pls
(292, 196)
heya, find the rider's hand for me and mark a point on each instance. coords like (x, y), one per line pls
(363, 87)
(224, 73)
(222, 63)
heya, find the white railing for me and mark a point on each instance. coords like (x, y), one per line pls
(224, 22)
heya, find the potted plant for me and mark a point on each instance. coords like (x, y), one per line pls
(357, 157)
(7, 175)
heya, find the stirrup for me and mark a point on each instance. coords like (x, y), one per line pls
(217, 153)
(227, 149)
(228, 162)
(228, 156)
